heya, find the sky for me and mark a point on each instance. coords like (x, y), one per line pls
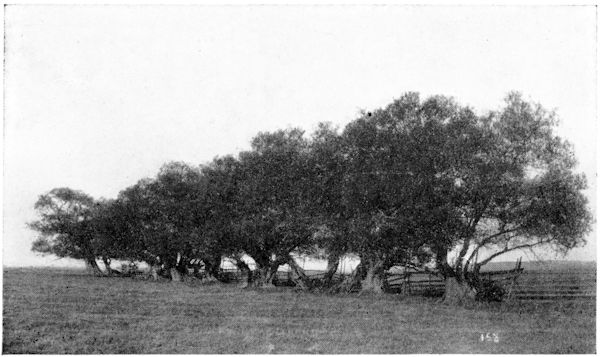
(98, 97)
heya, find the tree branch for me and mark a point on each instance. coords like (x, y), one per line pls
(485, 241)
(469, 233)
(506, 250)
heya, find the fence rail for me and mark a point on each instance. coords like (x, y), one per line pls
(527, 285)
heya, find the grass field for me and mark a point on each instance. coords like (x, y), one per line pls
(65, 311)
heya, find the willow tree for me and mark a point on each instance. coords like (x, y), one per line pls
(112, 239)
(272, 220)
(164, 214)
(215, 236)
(327, 158)
(432, 180)
(65, 226)
(516, 189)
(388, 203)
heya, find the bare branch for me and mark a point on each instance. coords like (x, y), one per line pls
(485, 241)
(506, 250)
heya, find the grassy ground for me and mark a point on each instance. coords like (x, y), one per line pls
(57, 311)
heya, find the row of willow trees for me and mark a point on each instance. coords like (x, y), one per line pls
(417, 183)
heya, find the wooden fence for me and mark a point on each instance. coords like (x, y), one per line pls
(542, 285)
(415, 283)
(528, 285)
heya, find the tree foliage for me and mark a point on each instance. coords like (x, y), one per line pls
(65, 225)
(164, 214)
(273, 219)
(520, 190)
(414, 183)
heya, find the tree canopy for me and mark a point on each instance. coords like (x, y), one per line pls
(65, 225)
(416, 183)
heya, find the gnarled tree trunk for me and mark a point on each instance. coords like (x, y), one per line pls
(298, 275)
(373, 280)
(263, 276)
(175, 274)
(246, 272)
(154, 269)
(106, 262)
(458, 292)
(172, 270)
(350, 282)
(332, 265)
(109, 271)
(212, 267)
(92, 267)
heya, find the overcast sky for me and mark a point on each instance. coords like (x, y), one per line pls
(98, 97)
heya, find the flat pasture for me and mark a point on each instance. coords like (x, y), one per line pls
(66, 311)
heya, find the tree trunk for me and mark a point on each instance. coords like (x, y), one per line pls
(263, 277)
(442, 262)
(106, 262)
(209, 278)
(154, 269)
(109, 271)
(171, 268)
(372, 283)
(458, 293)
(93, 267)
(374, 277)
(332, 265)
(196, 272)
(298, 275)
(211, 271)
(350, 282)
(246, 272)
(212, 266)
(182, 266)
(175, 274)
